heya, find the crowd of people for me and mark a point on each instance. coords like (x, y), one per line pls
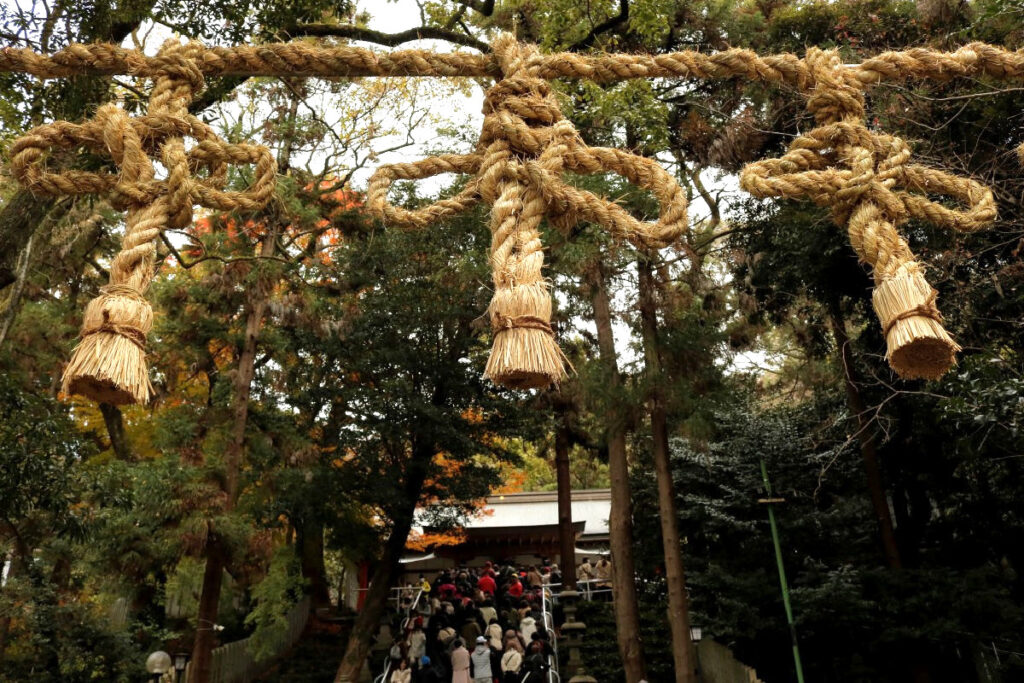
(486, 624)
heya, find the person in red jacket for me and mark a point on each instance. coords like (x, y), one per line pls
(515, 589)
(487, 585)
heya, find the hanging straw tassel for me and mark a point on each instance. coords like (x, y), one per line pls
(917, 344)
(525, 354)
(109, 364)
(866, 178)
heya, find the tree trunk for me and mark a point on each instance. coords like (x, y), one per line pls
(368, 621)
(866, 438)
(200, 669)
(216, 552)
(566, 533)
(310, 540)
(627, 613)
(17, 557)
(683, 655)
(14, 302)
(114, 420)
(19, 218)
(919, 670)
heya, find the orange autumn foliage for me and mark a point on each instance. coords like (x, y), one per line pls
(515, 482)
(421, 542)
(332, 203)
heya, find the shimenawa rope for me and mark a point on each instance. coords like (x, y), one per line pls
(110, 362)
(525, 146)
(864, 176)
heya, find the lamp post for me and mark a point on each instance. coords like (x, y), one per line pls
(157, 664)
(180, 662)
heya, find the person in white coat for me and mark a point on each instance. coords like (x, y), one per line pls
(480, 659)
(403, 674)
(494, 634)
(526, 627)
(511, 663)
(417, 645)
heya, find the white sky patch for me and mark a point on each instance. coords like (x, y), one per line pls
(462, 110)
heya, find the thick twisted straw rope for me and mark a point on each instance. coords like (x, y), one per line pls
(303, 59)
(525, 146)
(865, 178)
(109, 363)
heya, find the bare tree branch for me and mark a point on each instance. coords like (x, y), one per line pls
(388, 39)
(614, 22)
(484, 7)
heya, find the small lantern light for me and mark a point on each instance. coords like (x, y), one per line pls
(180, 662)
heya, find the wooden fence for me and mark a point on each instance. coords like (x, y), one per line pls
(717, 665)
(234, 663)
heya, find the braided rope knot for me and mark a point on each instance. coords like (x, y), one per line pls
(517, 168)
(865, 178)
(525, 140)
(109, 362)
(131, 143)
(180, 63)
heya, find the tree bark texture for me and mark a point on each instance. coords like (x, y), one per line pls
(866, 439)
(113, 418)
(369, 619)
(627, 613)
(14, 302)
(566, 533)
(310, 540)
(200, 669)
(683, 654)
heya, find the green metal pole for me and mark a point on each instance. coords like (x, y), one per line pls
(782, 575)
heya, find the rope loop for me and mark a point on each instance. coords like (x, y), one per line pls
(526, 141)
(850, 168)
(194, 176)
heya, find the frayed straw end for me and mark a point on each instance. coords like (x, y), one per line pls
(525, 358)
(923, 357)
(108, 368)
(109, 365)
(918, 347)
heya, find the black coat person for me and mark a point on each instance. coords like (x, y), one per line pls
(430, 672)
(537, 662)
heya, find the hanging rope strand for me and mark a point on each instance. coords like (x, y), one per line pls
(525, 146)
(864, 177)
(109, 364)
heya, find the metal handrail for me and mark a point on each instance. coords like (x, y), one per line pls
(384, 676)
(584, 586)
(549, 626)
(405, 623)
